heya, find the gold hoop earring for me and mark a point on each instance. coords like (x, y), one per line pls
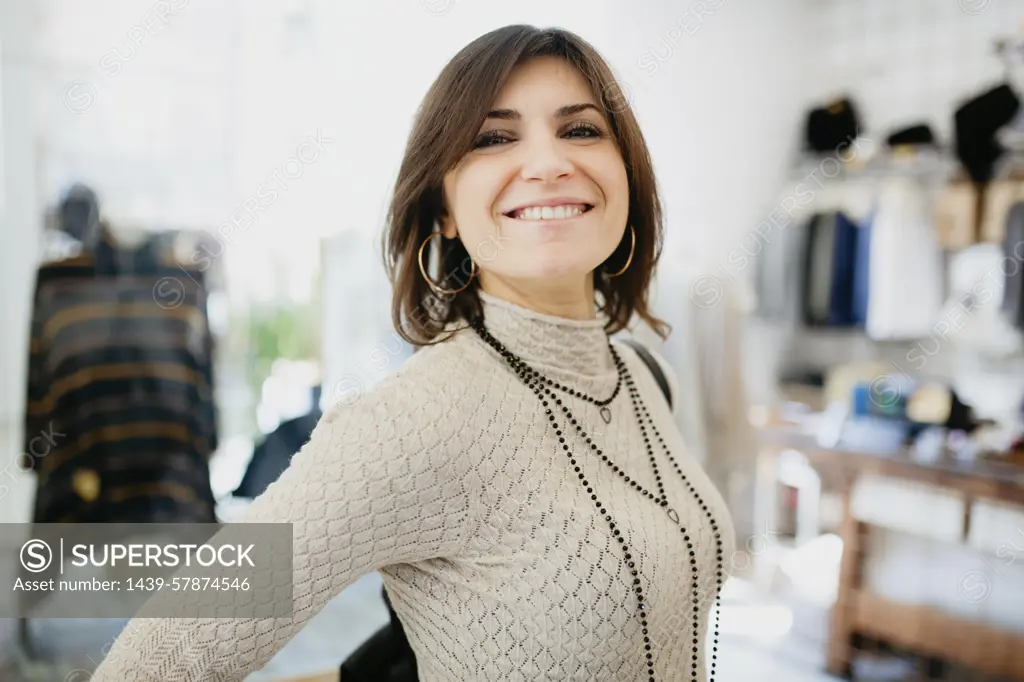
(632, 246)
(434, 285)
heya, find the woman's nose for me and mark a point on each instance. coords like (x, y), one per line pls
(546, 159)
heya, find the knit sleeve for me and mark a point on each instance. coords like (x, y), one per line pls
(376, 484)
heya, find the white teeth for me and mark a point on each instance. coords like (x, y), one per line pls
(548, 212)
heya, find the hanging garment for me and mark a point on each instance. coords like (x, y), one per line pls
(777, 275)
(919, 134)
(797, 232)
(832, 126)
(977, 123)
(861, 293)
(120, 419)
(906, 274)
(1012, 267)
(844, 267)
(818, 268)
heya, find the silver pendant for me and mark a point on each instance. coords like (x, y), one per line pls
(606, 415)
(673, 515)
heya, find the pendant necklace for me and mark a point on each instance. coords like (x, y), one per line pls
(541, 387)
(605, 411)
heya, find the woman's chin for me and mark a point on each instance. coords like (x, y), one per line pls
(560, 230)
(556, 268)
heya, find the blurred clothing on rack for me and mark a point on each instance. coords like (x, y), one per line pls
(818, 268)
(830, 266)
(842, 309)
(778, 276)
(918, 134)
(860, 294)
(812, 267)
(862, 253)
(906, 273)
(120, 420)
(977, 123)
(831, 126)
(1013, 266)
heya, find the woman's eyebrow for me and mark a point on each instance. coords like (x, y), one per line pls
(562, 112)
(574, 109)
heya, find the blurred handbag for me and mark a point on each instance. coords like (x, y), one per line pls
(387, 656)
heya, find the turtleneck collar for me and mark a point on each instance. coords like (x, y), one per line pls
(542, 340)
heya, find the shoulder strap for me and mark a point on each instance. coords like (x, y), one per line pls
(652, 365)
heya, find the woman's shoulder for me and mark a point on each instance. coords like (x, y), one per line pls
(427, 420)
(432, 390)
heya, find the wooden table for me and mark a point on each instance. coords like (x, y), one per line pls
(326, 677)
(921, 629)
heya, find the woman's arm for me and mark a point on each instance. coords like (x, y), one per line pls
(375, 485)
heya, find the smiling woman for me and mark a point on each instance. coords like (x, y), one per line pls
(519, 483)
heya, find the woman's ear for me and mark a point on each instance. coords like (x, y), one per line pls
(448, 227)
(445, 222)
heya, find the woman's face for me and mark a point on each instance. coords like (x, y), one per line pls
(543, 197)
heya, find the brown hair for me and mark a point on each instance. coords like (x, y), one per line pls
(446, 124)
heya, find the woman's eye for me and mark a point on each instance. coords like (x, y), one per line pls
(490, 139)
(583, 130)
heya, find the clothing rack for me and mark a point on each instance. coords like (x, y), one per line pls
(928, 163)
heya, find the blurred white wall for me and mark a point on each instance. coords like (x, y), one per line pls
(19, 222)
(719, 86)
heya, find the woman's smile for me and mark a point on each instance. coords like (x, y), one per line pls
(559, 214)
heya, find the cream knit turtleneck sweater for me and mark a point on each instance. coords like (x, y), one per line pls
(448, 479)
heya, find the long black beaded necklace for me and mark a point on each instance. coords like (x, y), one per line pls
(540, 384)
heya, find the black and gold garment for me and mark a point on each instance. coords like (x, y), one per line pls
(120, 420)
